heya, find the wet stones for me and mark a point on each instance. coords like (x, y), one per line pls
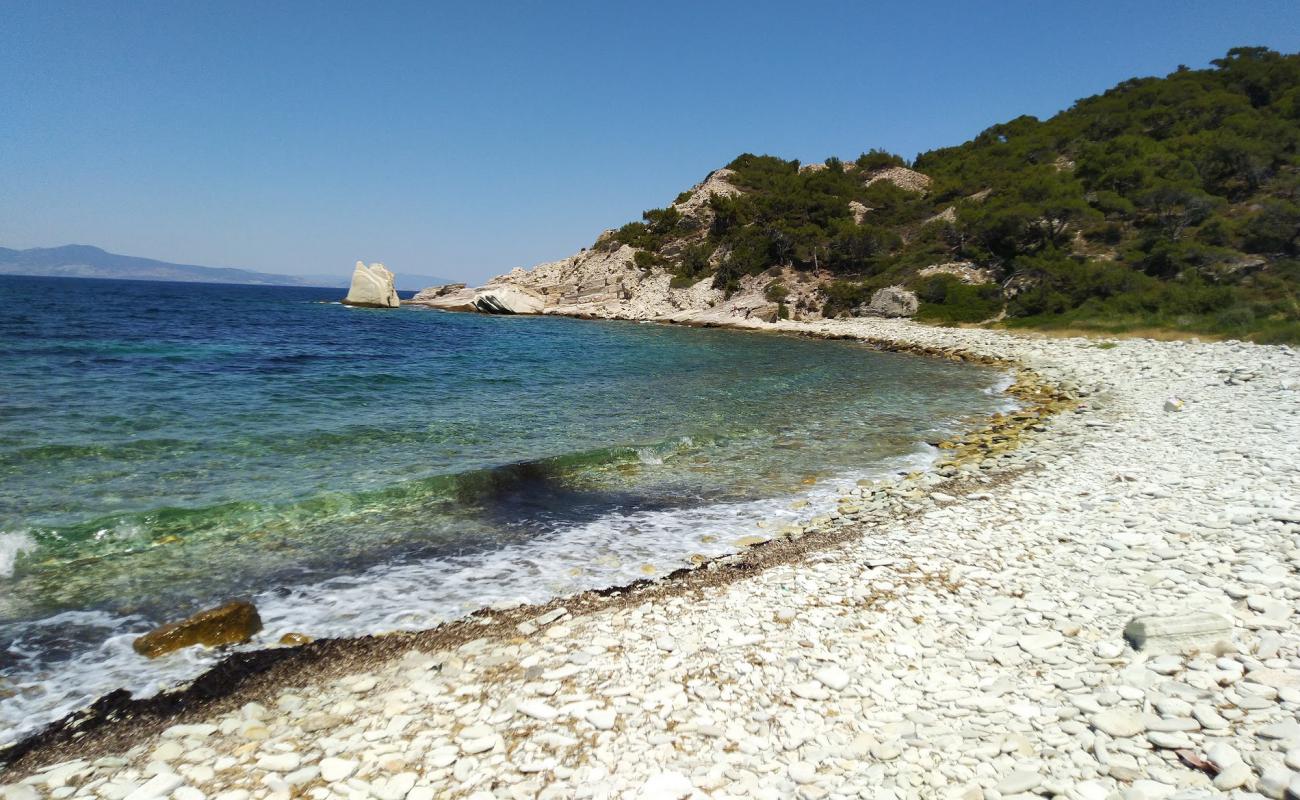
(232, 623)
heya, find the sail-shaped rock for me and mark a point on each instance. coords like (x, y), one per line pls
(372, 287)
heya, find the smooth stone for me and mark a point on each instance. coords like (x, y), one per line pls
(337, 769)
(602, 719)
(279, 762)
(810, 691)
(1209, 717)
(832, 677)
(159, 786)
(537, 710)
(1169, 740)
(1019, 781)
(802, 772)
(1040, 641)
(1273, 781)
(666, 786)
(1234, 776)
(1119, 723)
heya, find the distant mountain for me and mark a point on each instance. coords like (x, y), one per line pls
(84, 261)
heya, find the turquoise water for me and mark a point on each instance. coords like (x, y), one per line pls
(167, 446)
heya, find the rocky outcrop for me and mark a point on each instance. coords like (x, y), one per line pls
(434, 292)
(902, 177)
(891, 301)
(965, 271)
(948, 215)
(232, 623)
(507, 299)
(859, 211)
(696, 204)
(372, 287)
(607, 284)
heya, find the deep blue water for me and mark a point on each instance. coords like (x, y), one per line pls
(168, 446)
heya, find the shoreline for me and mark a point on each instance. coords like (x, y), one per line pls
(236, 674)
(1049, 384)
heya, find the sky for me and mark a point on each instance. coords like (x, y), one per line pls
(466, 139)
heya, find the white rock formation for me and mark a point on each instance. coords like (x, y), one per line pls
(891, 301)
(696, 205)
(902, 177)
(966, 271)
(506, 299)
(372, 287)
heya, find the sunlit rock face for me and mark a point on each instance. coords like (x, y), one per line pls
(372, 287)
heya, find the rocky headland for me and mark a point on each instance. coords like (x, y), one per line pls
(607, 281)
(1091, 597)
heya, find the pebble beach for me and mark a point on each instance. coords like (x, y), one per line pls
(955, 633)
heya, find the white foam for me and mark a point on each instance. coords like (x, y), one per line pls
(612, 550)
(12, 545)
(999, 389)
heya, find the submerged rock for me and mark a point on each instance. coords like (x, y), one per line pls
(232, 623)
(372, 287)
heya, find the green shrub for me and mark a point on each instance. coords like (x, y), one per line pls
(843, 296)
(945, 298)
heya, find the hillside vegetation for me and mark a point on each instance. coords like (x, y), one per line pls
(1163, 203)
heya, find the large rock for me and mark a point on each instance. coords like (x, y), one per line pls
(232, 623)
(1193, 631)
(891, 301)
(372, 287)
(508, 300)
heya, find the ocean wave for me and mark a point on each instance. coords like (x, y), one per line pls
(613, 549)
(12, 545)
(485, 489)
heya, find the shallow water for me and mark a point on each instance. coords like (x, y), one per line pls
(167, 446)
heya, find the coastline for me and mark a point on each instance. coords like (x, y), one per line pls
(506, 656)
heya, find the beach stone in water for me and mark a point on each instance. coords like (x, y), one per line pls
(232, 623)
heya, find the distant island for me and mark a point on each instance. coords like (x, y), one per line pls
(85, 261)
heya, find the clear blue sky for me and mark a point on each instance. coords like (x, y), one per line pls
(466, 139)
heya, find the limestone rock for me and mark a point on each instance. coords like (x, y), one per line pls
(965, 271)
(232, 623)
(696, 205)
(1119, 722)
(902, 177)
(891, 301)
(508, 300)
(434, 292)
(372, 287)
(1176, 633)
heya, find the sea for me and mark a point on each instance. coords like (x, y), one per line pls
(165, 447)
